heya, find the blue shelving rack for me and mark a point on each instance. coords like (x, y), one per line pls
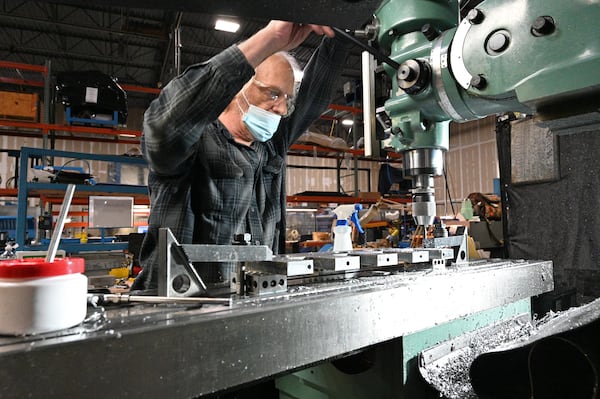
(110, 122)
(25, 188)
(9, 225)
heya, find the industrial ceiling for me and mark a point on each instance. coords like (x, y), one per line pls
(136, 45)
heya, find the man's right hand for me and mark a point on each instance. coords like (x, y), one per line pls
(279, 36)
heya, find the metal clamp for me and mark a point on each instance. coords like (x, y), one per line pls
(459, 244)
(177, 275)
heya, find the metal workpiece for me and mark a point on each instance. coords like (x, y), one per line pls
(227, 253)
(410, 255)
(261, 283)
(439, 257)
(376, 258)
(338, 262)
(177, 275)
(458, 244)
(183, 352)
(289, 265)
(439, 242)
(439, 253)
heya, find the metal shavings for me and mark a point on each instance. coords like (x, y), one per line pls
(95, 320)
(450, 374)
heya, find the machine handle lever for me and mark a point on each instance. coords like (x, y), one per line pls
(376, 53)
(100, 299)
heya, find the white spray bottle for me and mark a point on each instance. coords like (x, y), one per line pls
(342, 232)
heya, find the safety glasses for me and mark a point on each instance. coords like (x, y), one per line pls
(275, 95)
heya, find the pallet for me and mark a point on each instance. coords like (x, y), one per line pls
(72, 120)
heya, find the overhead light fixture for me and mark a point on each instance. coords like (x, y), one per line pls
(347, 122)
(227, 26)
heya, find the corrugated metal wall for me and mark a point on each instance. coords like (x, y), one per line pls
(472, 164)
(99, 170)
(300, 180)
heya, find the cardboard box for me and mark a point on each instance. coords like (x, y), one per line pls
(370, 196)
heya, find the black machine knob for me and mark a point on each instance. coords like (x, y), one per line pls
(543, 25)
(475, 16)
(478, 82)
(430, 32)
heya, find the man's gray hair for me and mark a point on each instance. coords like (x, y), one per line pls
(294, 65)
(296, 69)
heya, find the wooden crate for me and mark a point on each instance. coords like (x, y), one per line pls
(19, 106)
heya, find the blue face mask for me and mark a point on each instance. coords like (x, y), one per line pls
(261, 123)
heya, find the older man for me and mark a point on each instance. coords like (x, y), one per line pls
(216, 140)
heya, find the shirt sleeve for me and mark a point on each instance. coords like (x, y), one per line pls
(175, 120)
(318, 84)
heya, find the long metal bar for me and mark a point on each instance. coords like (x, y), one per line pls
(183, 352)
(368, 81)
(177, 43)
(60, 223)
(29, 151)
(44, 127)
(125, 298)
(22, 199)
(47, 103)
(26, 67)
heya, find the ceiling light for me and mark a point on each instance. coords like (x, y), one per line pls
(226, 26)
(347, 122)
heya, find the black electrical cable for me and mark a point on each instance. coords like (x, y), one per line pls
(448, 190)
(376, 53)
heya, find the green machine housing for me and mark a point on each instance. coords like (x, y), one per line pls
(536, 57)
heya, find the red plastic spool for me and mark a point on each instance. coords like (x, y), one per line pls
(38, 267)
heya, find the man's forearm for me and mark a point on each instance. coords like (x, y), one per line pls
(175, 120)
(318, 85)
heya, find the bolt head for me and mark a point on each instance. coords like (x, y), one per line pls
(543, 25)
(475, 16)
(478, 82)
(498, 42)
